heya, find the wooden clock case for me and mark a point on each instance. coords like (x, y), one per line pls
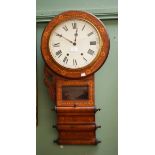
(73, 90)
(75, 118)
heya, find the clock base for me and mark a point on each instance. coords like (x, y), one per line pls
(75, 109)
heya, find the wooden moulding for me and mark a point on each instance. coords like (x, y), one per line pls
(75, 109)
(76, 127)
(76, 119)
(93, 141)
(85, 135)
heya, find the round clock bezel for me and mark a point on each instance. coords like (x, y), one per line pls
(100, 45)
(77, 72)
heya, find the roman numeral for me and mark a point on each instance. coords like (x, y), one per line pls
(65, 60)
(93, 43)
(56, 45)
(65, 28)
(83, 27)
(89, 34)
(74, 25)
(91, 52)
(74, 62)
(58, 53)
(59, 35)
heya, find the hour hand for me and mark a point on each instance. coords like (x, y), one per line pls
(60, 35)
(76, 34)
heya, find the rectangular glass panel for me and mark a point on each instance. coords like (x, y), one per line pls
(75, 93)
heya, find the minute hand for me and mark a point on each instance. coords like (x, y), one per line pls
(67, 39)
(60, 35)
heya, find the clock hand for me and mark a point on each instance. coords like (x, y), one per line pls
(76, 34)
(60, 35)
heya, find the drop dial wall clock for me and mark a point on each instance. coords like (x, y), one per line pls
(74, 46)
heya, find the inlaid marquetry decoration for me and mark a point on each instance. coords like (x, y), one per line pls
(74, 45)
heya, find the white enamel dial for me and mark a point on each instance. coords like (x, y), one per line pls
(74, 44)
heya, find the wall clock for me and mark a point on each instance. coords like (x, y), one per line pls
(74, 45)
